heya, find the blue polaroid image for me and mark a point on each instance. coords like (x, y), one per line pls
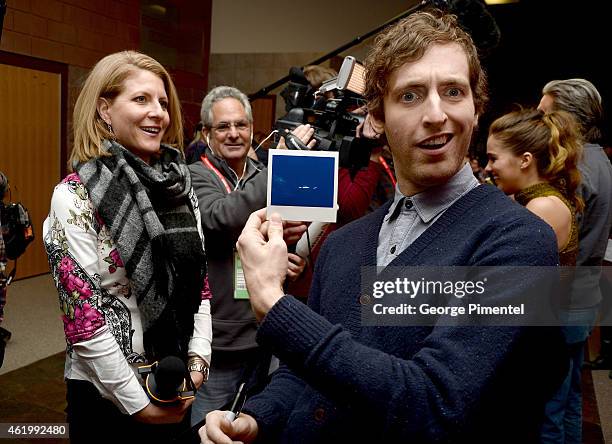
(303, 181)
(302, 185)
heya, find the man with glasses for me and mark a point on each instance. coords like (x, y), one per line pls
(229, 186)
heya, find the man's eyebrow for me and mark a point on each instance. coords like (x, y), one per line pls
(419, 83)
(407, 85)
(455, 80)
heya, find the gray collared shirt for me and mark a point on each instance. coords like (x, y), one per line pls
(409, 217)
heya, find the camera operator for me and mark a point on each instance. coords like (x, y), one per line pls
(355, 186)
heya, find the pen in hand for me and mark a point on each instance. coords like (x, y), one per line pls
(237, 404)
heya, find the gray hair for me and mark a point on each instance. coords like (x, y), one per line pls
(220, 93)
(580, 98)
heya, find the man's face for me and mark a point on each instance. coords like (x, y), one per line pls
(546, 104)
(230, 135)
(429, 116)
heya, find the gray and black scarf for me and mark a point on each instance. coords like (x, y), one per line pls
(150, 217)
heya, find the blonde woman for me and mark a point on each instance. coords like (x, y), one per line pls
(126, 250)
(534, 157)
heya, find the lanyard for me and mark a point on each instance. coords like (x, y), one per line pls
(216, 171)
(387, 169)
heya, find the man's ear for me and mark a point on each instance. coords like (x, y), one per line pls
(103, 105)
(206, 135)
(378, 125)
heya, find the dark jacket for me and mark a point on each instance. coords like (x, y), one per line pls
(594, 229)
(223, 217)
(345, 382)
(596, 190)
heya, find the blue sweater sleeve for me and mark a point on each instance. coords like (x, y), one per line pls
(272, 407)
(441, 384)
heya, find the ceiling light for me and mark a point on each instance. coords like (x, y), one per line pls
(500, 2)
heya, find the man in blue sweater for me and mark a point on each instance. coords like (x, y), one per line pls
(343, 381)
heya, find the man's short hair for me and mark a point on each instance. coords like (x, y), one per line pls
(220, 93)
(407, 41)
(580, 98)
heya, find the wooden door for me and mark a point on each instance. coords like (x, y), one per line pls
(30, 148)
(264, 110)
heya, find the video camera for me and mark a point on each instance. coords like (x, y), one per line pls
(330, 111)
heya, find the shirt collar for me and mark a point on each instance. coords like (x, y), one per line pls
(431, 202)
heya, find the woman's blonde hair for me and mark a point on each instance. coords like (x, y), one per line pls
(106, 80)
(554, 141)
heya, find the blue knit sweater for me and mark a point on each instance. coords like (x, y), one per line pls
(343, 382)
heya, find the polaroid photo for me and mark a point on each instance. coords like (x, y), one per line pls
(303, 185)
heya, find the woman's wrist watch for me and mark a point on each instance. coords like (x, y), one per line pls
(197, 364)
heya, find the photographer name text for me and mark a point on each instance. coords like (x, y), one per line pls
(433, 310)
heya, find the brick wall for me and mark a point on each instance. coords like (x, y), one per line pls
(180, 40)
(81, 32)
(75, 32)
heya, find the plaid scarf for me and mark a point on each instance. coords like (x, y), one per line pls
(150, 218)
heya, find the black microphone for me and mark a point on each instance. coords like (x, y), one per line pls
(298, 92)
(296, 74)
(167, 381)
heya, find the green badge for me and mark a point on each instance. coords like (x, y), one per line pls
(240, 289)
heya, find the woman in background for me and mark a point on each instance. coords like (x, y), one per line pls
(534, 156)
(126, 250)
(196, 147)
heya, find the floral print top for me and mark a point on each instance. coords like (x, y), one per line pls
(101, 318)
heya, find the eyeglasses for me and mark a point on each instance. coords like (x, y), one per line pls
(224, 127)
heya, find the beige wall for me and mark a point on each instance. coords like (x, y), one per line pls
(280, 26)
(251, 72)
(258, 51)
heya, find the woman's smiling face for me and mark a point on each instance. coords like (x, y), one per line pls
(504, 167)
(139, 114)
